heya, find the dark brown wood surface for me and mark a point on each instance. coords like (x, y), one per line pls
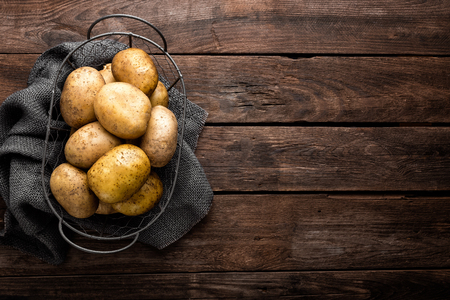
(277, 232)
(293, 26)
(279, 89)
(411, 284)
(327, 146)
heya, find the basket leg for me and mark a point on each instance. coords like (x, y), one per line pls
(60, 227)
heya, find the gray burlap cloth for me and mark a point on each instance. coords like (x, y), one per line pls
(29, 224)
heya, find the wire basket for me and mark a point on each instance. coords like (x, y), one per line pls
(95, 52)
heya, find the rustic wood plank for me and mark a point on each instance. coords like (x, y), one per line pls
(278, 232)
(15, 72)
(424, 284)
(263, 158)
(294, 245)
(370, 27)
(320, 89)
(256, 89)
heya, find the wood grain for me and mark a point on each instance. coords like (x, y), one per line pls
(238, 26)
(295, 158)
(14, 74)
(259, 89)
(280, 158)
(320, 89)
(268, 285)
(320, 192)
(276, 232)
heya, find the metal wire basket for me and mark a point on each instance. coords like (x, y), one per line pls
(116, 226)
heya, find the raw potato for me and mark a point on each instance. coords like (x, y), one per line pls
(160, 140)
(144, 199)
(86, 145)
(70, 188)
(118, 174)
(123, 110)
(135, 66)
(105, 209)
(107, 74)
(160, 96)
(78, 94)
(136, 142)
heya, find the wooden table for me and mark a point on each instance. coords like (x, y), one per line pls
(327, 146)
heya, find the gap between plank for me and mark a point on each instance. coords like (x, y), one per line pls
(231, 272)
(329, 124)
(409, 194)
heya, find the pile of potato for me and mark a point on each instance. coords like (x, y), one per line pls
(121, 129)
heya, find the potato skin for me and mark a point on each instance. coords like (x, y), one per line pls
(160, 96)
(123, 110)
(70, 188)
(119, 173)
(107, 73)
(105, 209)
(78, 94)
(86, 145)
(160, 140)
(143, 200)
(135, 66)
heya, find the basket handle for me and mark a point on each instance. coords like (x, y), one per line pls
(131, 17)
(60, 227)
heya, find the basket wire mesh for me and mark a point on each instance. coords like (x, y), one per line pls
(91, 52)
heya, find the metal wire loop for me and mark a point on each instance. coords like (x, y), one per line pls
(131, 17)
(73, 244)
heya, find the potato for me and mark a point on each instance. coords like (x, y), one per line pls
(78, 94)
(70, 188)
(136, 142)
(144, 199)
(159, 96)
(119, 173)
(135, 66)
(123, 110)
(86, 145)
(107, 74)
(105, 209)
(160, 140)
